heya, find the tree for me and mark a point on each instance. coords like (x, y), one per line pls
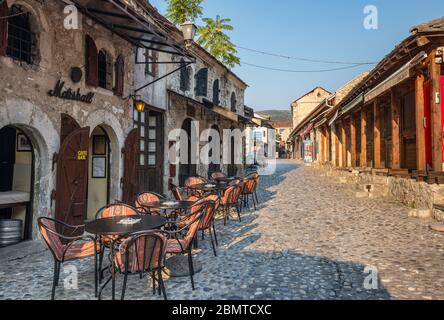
(181, 11)
(213, 38)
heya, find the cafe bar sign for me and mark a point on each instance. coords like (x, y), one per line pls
(61, 92)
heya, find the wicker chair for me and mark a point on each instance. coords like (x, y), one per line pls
(67, 248)
(178, 193)
(140, 254)
(192, 181)
(249, 190)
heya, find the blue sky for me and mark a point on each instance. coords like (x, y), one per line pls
(316, 29)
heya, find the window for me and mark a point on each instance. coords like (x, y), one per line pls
(151, 58)
(185, 74)
(202, 82)
(20, 38)
(216, 92)
(233, 102)
(105, 68)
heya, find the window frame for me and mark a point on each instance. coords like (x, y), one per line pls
(31, 40)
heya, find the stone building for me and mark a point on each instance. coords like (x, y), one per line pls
(302, 106)
(66, 107)
(283, 131)
(201, 90)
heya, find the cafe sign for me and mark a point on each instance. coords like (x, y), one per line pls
(60, 91)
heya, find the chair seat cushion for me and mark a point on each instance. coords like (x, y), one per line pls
(81, 250)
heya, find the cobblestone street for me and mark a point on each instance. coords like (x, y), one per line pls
(309, 239)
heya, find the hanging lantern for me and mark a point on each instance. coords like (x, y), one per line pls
(188, 30)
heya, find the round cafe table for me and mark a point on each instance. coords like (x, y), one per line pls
(169, 205)
(210, 187)
(112, 227)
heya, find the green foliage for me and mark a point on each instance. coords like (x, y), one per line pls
(213, 38)
(181, 11)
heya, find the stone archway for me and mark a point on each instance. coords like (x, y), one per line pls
(111, 125)
(45, 140)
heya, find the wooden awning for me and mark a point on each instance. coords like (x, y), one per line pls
(130, 20)
(396, 78)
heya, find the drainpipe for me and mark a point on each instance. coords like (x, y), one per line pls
(328, 100)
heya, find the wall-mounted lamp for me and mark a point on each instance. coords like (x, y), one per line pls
(188, 31)
(139, 105)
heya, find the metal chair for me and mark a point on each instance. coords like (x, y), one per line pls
(142, 254)
(181, 241)
(178, 193)
(148, 197)
(71, 250)
(249, 190)
(230, 199)
(192, 181)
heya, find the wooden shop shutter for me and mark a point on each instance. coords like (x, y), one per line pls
(4, 11)
(92, 67)
(120, 75)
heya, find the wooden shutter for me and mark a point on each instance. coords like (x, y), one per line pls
(92, 66)
(131, 153)
(72, 178)
(216, 92)
(120, 75)
(68, 126)
(4, 11)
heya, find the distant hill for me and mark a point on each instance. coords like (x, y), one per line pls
(277, 115)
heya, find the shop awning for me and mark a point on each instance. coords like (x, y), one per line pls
(352, 104)
(399, 76)
(226, 113)
(130, 20)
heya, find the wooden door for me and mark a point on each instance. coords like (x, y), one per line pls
(72, 178)
(150, 169)
(130, 185)
(69, 125)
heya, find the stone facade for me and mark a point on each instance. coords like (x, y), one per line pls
(302, 107)
(26, 105)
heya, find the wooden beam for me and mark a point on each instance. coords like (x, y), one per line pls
(377, 134)
(420, 130)
(395, 118)
(353, 141)
(344, 144)
(322, 145)
(364, 137)
(435, 75)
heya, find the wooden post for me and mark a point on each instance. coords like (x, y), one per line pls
(420, 130)
(377, 134)
(364, 137)
(395, 114)
(322, 145)
(328, 142)
(353, 140)
(435, 74)
(337, 163)
(344, 144)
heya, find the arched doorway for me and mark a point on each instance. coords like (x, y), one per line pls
(187, 169)
(214, 167)
(16, 179)
(98, 171)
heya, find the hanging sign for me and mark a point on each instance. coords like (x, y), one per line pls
(59, 91)
(308, 151)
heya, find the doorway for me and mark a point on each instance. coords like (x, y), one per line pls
(188, 169)
(214, 167)
(17, 178)
(98, 172)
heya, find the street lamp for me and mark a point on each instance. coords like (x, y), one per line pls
(188, 31)
(139, 105)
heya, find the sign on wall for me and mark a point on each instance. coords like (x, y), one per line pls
(308, 151)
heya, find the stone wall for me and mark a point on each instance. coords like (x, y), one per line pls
(25, 103)
(301, 108)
